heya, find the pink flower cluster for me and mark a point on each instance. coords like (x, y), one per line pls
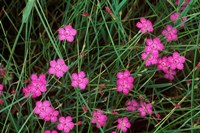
(1, 88)
(124, 82)
(143, 107)
(170, 63)
(67, 33)
(37, 86)
(184, 4)
(58, 67)
(79, 80)
(144, 25)
(170, 33)
(152, 49)
(123, 124)
(45, 111)
(65, 124)
(176, 16)
(48, 131)
(99, 118)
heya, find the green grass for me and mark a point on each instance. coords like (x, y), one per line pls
(110, 43)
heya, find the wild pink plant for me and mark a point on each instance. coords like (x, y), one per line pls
(124, 82)
(163, 64)
(79, 80)
(150, 58)
(184, 4)
(58, 67)
(170, 74)
(65, 124)
(145, 109)
(67, 33)
(123, 124)
(52, 116)
(176, 16)
(99, 118)
(49, 131)
(176, 61)
(144, 25)
(170, 33)
(131, 105)
(1, 88)
(154, 45)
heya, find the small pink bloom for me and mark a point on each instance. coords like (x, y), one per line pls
(144, 25)
(58, 67)
(150, 58)
(85, 14)
(52, 116)
(184, 4)
(176, 61)
(145, 109)
(170, 74)
(131, 105)
(1, 88)
(163, 64)
(67, 33)
(99, 118)
(175, 16)
(123, 124)
(65, 124)
(170, 33)
(114, 132)
(154, 45)
(79, 80)
(42, 109)
(49, 131)
(108, 10)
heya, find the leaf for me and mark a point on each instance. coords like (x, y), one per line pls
(27, 10)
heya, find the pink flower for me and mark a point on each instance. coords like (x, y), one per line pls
(48, 131)
(175, 16)
(42, 109)
(52, 116)
(37, 86)
(123, 124)
(99, 118)
(145, 25)
(184, 4)
(67, 33)
(170, 33)
(124, 82)
(58, 67)
(176, 61)
(65, 124)
(145, 109)
(163, 64)
(108, 10)
(79, 80)
(170, 74)
(131, 105)
(1, 88)
(150, 58)
(154, 45)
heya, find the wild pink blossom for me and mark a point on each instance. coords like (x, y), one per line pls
(49, 131)
(79, 80)
(150, 58)
(131, 105)
(170, 74)
(144, 25)
(114, 132)
(145, 109)
(37, 86)
(176, 61)
(123, 124)
(154, 45)
(67, 33)
(99, 118)
(184, 4)
(163, 64)
(52, 116)
(124, 82)
(42, 109)
(1, 88)
(65, 124)
(176, 16)
(170, 33)
(58, 67)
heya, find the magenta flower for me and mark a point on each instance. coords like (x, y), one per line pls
(170, 33)
(170, 74)
(58, 67)
(42, 109)
(67, 33)
(175, 16)
(144, 25)
(52, 116)
(131, 105)
(99, 118)
(150, 58)
(65, 124)
(1, 88)
(124, 82)
(49, 131)
(176, 61)
(184, 4)
(154, 45)
(163, 64)
(123, 124)
(37, 86)
(145, 109)
(79, 80)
